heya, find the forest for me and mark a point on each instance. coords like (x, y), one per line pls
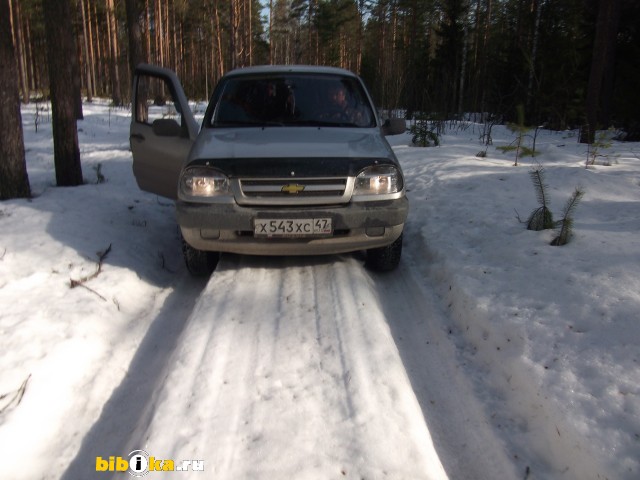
(564, 63)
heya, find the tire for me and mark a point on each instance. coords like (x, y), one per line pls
(199, 263)
(385, 259)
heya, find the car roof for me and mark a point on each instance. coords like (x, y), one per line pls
(269, 69)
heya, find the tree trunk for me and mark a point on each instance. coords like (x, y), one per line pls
(99, 59)
(271, 32)
(60, 47)
(116, 93)
(598, 98)
(463, 69)
(219, 39)
(250, 35)
(534, 55)
(88, 60)
(360, 36)
(32, 74)
(148, 39)
(233, 56)
(77, 76)
(14, 181)
(159, 26)
(135, 15)
(20, 48)
(483, 58)
(91, 52)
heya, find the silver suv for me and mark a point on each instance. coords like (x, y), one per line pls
(289, 160)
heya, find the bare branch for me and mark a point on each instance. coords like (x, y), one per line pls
(81, 282)
(17, 396)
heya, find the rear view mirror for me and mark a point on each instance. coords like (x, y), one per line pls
(394, 126)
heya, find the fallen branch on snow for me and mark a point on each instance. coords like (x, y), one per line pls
(17, 396)
(81, 282)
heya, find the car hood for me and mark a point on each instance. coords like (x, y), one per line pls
(287, 142)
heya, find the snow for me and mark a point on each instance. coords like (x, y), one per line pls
(487, 354)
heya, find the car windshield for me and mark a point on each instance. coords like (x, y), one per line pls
(292, 100)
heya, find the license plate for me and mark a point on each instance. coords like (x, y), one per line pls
(292, 227)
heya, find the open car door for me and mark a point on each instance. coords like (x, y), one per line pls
(162, 130)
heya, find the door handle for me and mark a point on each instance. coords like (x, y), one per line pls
(137, 136)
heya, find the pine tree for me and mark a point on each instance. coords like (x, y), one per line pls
(14, 181)
(600, 87)
(60, 47)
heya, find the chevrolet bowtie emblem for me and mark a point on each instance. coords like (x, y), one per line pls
(292, 188)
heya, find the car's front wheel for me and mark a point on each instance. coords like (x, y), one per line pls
(385, 259)
(199, 263)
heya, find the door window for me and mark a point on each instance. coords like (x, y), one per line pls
(154, 101)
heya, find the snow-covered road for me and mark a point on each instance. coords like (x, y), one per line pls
(301, 368)
(288, 368)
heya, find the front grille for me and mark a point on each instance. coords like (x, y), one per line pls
(292, 191)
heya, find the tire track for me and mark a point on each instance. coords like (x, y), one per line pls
(287, 369)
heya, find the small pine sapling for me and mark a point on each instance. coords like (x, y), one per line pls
(520, 130)
(541, 218)
(565, 226)
(424, 134)
(594, 149)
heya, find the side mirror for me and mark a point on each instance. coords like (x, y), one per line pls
(394, 126)
(166, 127)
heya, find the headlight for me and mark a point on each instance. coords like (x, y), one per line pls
(203, 182)
(379, 179)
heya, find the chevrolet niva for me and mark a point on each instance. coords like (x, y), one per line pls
(288, 160)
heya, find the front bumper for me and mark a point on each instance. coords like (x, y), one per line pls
(229, 227)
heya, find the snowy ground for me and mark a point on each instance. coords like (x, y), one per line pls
(488, 354)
